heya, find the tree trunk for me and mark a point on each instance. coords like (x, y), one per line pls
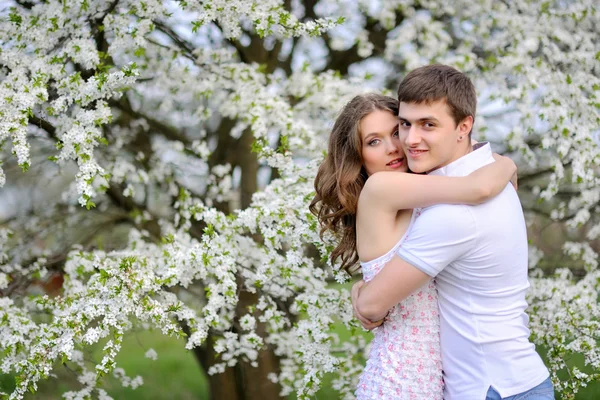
(249, 165)
(244, 382)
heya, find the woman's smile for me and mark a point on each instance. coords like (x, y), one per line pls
(396, 163)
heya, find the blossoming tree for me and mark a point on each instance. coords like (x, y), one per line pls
(192, 129)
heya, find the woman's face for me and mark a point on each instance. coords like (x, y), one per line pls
(381, 150)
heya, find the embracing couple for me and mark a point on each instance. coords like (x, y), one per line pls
(442, 244)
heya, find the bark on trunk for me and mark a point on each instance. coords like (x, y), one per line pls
(244, 382)
(249, 165)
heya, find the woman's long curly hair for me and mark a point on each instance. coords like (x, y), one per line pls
(342, 176)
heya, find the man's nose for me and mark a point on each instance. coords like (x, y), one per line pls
(413, 137)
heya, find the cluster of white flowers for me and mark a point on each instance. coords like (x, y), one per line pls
(187, 265)
(572, 329)
(269, 16)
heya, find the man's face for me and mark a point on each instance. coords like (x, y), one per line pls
(430, 137)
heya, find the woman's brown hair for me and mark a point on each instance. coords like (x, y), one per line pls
(342, 176)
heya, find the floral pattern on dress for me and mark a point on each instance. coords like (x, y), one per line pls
(404, 360)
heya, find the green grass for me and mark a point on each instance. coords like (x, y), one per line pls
(174, 375)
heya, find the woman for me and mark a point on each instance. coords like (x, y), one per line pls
(365, 198)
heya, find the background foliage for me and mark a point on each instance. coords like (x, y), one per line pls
(158, 160)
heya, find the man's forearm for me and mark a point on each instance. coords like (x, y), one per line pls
(395, 282)
(369, 309)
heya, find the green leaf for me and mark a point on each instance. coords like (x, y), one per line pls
(15, 18)
(196, 25)
(168, 239)
(89, 204)
(129, 70)
(284, 18)
(104, 276)
(284, 146)
(256, 147)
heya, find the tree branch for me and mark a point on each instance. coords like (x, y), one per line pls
(26, 4)
(183, 44)
(110, 9)
(163, 129)
(56, 261)
(341, 60)
(544, 213)
(45, 125)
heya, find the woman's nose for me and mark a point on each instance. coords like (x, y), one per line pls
(392, 146)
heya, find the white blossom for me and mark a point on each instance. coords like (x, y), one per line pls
(126, 102)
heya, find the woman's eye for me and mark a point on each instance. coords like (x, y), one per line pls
(396, 133)
(373, 142)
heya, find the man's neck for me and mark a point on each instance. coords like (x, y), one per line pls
(460, 152)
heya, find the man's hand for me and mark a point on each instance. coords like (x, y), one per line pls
(367, 324)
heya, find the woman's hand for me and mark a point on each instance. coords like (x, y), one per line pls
(488, 181)
(367, 324)
(514, 178)
(514, 181)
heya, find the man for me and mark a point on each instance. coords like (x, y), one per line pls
(477, 254)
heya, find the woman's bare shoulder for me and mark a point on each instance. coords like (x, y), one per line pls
(379, 231)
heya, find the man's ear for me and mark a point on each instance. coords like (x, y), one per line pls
(464, 128)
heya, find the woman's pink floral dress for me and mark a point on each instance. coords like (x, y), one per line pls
(404, 361)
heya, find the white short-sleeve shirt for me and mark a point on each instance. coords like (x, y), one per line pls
(478, 256)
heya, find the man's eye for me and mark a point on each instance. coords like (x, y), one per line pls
(429, 125)
(404, 124)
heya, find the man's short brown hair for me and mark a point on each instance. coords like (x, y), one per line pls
(440, 82)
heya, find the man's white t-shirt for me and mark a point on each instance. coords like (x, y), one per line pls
(478, 256)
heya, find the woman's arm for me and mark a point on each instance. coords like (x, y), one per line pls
(399, 191)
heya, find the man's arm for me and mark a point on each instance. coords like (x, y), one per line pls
(366, 323)
(395, 282)
(438, 237)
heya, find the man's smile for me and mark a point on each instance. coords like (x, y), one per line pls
(415, 153)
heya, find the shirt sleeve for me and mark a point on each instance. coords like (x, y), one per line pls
(439, 236)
